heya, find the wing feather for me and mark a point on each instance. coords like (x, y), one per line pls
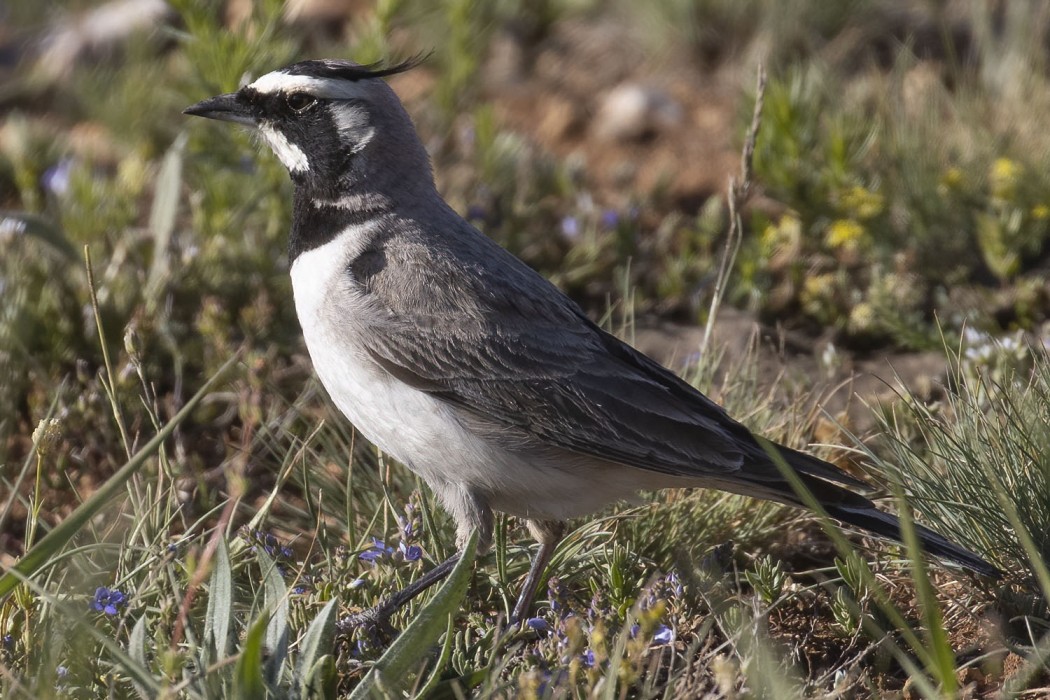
(565, 389)
(522, 363)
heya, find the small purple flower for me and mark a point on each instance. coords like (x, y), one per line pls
(570, 228)
(663, 635)
(674, 584)
(61, 672)
(271, 545)
(610, 219)
(108, 600)
(410, 552)
(595, 608)
(587, 658)
(358, 582)
(7, 641)
(377, 551)
(541, 690)
(300, 589)
(408, 529)
(538, 624)
(56, 178)
(557, 594)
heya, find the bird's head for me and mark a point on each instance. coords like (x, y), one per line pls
(336, 125)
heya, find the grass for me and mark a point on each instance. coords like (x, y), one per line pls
(155, 544)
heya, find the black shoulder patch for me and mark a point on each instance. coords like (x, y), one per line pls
(367, 265)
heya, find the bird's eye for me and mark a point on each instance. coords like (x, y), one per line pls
(300, 101)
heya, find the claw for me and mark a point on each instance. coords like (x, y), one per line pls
(374, 622)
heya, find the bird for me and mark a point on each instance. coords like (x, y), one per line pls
(468, 367)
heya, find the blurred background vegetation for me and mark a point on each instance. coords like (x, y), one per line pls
(902, 204)
(902, 164)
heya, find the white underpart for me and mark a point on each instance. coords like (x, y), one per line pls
(287, 152)
(335, 317)
(324, 88)
(419, 430)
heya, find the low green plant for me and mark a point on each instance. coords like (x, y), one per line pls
(955, 458)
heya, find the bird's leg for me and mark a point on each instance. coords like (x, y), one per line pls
(471, 513)
(548, 533)
(378, 616)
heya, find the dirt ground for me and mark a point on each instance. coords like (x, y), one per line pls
(636, 121)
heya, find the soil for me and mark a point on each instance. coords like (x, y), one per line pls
(554, 94)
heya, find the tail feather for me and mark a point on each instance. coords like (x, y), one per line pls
(836, 491)
(887, 525)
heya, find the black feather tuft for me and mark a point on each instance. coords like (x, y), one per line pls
(348, 70)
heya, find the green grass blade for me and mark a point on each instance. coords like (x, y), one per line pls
(220, 602)
(446, 654)
(275, 599)
(612, 675)
(137, 651)
(941, 662)
(162, 216)
(321, 680)
(393, 667)
(51, 543)
(1040, 568)
(248, 680)
(317, 643)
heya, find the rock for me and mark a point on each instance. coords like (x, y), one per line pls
(99, 32)
(631, 111)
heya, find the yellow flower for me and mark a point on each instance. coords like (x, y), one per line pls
(817, 286)
(952, 180)
(844, 234)
(1041, 212)
(1003, 177)
(818, 295)
(861, 317)
(861, 203)
(786, 233)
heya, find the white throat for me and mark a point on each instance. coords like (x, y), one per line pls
(287, 152)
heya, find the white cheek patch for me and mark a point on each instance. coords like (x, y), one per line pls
(352, 123)
(287, 152)
(332, 89)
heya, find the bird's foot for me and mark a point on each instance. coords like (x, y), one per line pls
(373, 622)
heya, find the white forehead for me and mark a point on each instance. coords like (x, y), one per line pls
(326, 88)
